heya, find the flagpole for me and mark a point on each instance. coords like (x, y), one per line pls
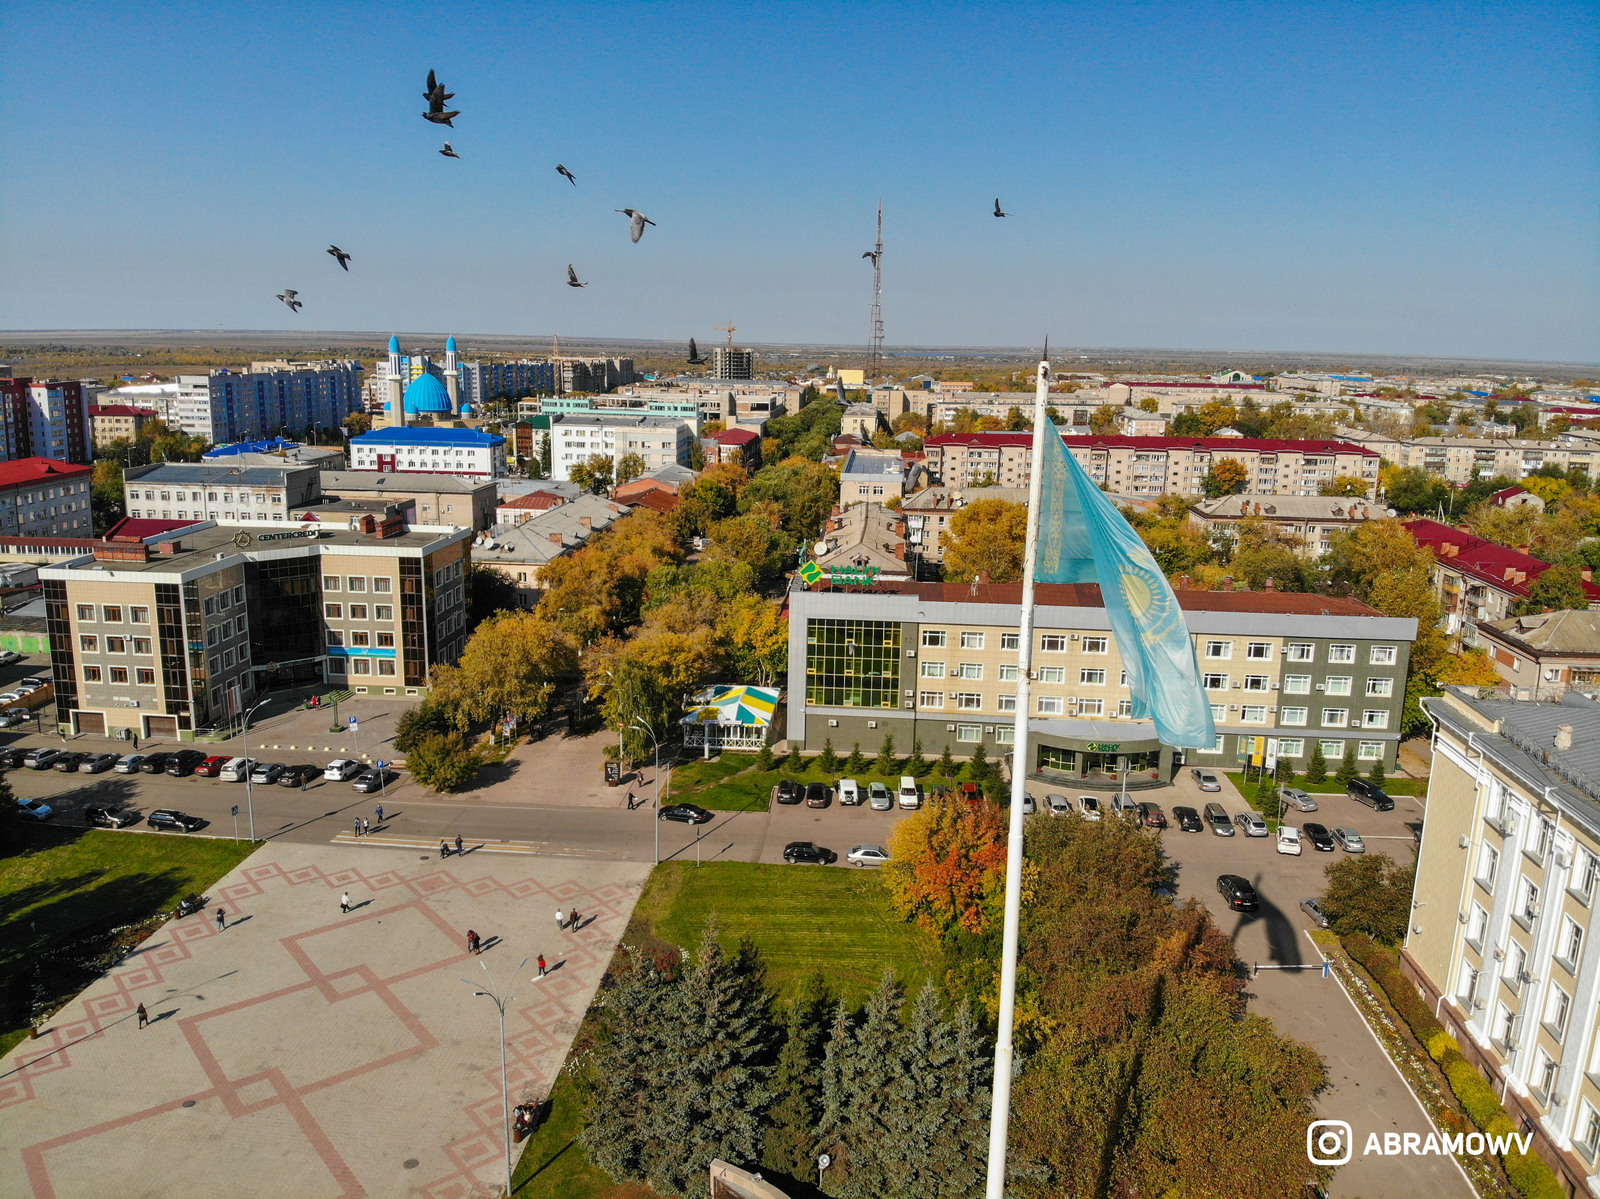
(1000, 1112)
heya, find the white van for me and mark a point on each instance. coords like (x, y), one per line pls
(849, 792)
(234, 770)
(910, 797)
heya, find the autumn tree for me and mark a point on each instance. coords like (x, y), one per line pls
(946, 859)
(755, 635)
(1560, 587)
(986, 535)
(447, 762)
(752, 539)
(1103, 420)
(1216, 414)
(1227, 476)
(1470, 668)
(1345, 485)
(593, 474)
(804, 492)
(629, 467)
(1369, 893)
(509, 667)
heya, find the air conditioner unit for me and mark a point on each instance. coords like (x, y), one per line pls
(1321, 686)
(1233, 707)
(1273, 708)
(1524, 977)
(989, 728)
(872, 724)
(1465, 841)
(833, 724)
(911, 653)
(907, 703)
(949, 728)
(1461, 917)
(1563, 859)
(1074, 636)
(1533, 910)
(910, 693)
(1274, 684)
(1479, 1004)
(1235, 684)
(1499, 954)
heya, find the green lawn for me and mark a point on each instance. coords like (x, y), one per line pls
(58, 885)
(730, 782)
(1394, 786)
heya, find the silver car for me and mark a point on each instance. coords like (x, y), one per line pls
(879, 797)
(1297, 799)
(867, 855)
(1059, 805)
(1349, 840)
(1251, 823)
(1207, 779)
(1313, 907)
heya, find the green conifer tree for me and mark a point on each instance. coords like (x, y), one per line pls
(1317, 767)
(764, 758)
(827, 760)
(887, 764)
(794, 763)
(857, 764)
(789, 1145)
(978, 764)
(947, 765)
(1348, 769)
(1376, 774)
(916, 765)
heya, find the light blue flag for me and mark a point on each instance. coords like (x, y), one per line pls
(1084, 539)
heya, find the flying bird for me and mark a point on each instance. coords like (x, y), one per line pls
(449, 151)
(637, 222)
(436, 96)
(998, 211)
(340, 256)
(694, 354)
(872, 254)
(568, 175)
(287, 295)
(572, 277)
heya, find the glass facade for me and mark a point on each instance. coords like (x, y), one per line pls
(853, 663)
(286, 617)
(58, 624)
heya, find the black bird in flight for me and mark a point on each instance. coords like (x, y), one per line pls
(436, 96)
(636, 222)
(694, 354)
(340, 256)
(572, 277)
(872, 254)
(998, 211)
(449, 151)
(570, 177)
(287, 295)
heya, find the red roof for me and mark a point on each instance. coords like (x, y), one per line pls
(737, 437)
(119, 410)
(539, 501)
(1265, 445)
(1505, 493)
(1483, 560)
(1208, 386)
(24, 471)
(656, 499)
(137, 529)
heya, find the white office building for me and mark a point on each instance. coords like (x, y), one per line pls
(577, 436)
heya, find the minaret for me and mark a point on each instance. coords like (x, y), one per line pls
(452, 375)
(394, 413)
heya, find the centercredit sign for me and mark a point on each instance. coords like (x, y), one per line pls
(244, 539)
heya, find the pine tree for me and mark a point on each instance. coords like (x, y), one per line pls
(789, 1145)
(978, 764)
(764, 758)
(1317, 767)
(887, 765)
(917, 766)
(827, 760)
(1348, 769)
(862, 1075)
(947, 765)
(794, 763)
(1376, 775)
(1286, 774)
(857, 764)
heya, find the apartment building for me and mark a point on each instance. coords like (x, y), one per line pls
(729, 363)
(937, 663)
(425, 499)
(875, 475)
(865, 536)
(231, 494)
(576, 436)
(1457, 459)
(41, 497)
(227, 405)
(111, 422)
(470, 453)
(1543, 656)
(1310, 520)
(1174, 397)
(481, 382)
(741, 447)
(46, 418)
(178, 632)
(1478, 580)
(521, 551)
(928, 512)
(1507, 882)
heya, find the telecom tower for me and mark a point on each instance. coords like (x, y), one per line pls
(875, 346)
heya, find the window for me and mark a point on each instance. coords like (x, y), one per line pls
(969, 701)
(1375, 718)
(1332, 749)
(1516, 963)
(85, 611)
(91, 674)
(335, 665)
(1253, 714)
(1219, 649)
(1010, 640)
(116, 645)
(1488, 866)
(238, 594)
(358, 611)
(1335, 718)
(969, 732)
(1341, 653)
(1010, 674)
(1214, 682)
(1006, 703)
(360, 666)
(139, 615)
(1557, 1006)
(1380, 688)
(333, 611)
(1337, 684)
(145, 676)
(932, 670)
(1051, 705)
(385, 640)
(1382, 655)
(385, 665)
(1125, 707)
(971, 640)
(330, 582)
(388, 585)
(356, 584)
(931, 638)
(334, 636)
(112, 612)
(1291, 747)
(1528, 905)
(1219, 713)
(1053, 643)
(1259, 651)
(1095, 645)
(970, 670)
(360, 637)
(1369, 751)
(1092, 676)
(1505, 1023)
(1292, 716)
(1005, 734)
(1297, 684)
(1091, 707)
(1585, 876)
(1477, 925)
(1571, 950)
(1467, 983)
(930, 699)
(1255, 682)
(89, 643)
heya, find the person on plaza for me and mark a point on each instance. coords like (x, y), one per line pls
(380, 813)
(458, 845)
(366, 829)
(136, 741)
(444, 848)
(358, 826)
(561, 919)
(344, 903)
(302, 784)
(541, 966)
(472, 941)
(144, 1016)
(572, 920)
(222, 920)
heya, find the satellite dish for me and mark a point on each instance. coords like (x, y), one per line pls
(821, 547)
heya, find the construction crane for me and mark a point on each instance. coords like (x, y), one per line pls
(730, 329)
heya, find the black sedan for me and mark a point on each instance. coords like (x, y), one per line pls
(11, 757)
(98, 817)
(805, 851)
(790, 791)
(172, 818)
(154, 763)
(1319, 837)
(294, 775)
(1241, 896)
(181, 764)
(1188, 820)
(98, 763)
(67, 763)
(685, 813)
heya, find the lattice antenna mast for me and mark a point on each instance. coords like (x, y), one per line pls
(875, 346)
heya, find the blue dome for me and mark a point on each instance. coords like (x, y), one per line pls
(466, 410)
(450, 345)
(394, 344)
(426, 395)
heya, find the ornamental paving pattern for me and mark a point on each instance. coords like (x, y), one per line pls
(301, 1051)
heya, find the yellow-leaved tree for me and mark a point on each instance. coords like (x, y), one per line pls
(509, 667)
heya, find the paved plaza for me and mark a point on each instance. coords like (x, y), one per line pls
(302, 1051)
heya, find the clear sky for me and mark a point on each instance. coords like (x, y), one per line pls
(1412, 178)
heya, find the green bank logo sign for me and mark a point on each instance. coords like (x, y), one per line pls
(839, 576)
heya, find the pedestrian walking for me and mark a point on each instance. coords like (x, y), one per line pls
(136, 741)
(380, 813)
(344, 903)
(458, 845)
(444, 849)
(572, 920)
(366, 829)
(302, 784)
(144, 1016)
(472, 941)
(358, 826)
(561, 919)
(541, 966)
(222, 920)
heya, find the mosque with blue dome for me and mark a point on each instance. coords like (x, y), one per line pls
(419, 387)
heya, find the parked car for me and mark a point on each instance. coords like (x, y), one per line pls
(1219, 820)
(11, 757)
(805, 851)
(181, 764)
(33, 809)
(11, 697)
(849, 792)
(910, 796)
(968, 791)
(1288, 840)
(1349, 840)
(1313, 907)
(790, 791)
(1319, 837)
(1188, 819)
(28, 686)
(12, 717)
(1059, 805)
(130, 764)
(878, 797)
(340, 769)
(1207, 779)
(372, 780)
(1123, 805)
(1089, 807)
(40, 759)
(1297, 799)
(172, 818)
(1151, 815)
(68, 762)
(1369, 793)
(1251, 823)
(867, 855)
(267, 772)
(1241, 896)
(100, 817)
(98, 763)
(154, 763)
(685, 813)
(1029, 805)
(294, 775)
(818, 795)
(236, 770)
(212, 766)
(9, 656)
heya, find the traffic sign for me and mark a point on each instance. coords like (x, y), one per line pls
(235, 809)
(382, 765)
(354, 726)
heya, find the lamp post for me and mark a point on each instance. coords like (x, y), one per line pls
(655, 783)
(500, 1002)
(249, 794)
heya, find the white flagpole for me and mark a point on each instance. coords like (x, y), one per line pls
(1000, 1112)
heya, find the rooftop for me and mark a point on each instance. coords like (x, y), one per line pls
(336, 481)
(1087, 595)
(736, 436)
(206, 474)
(23, 471)
(1486, 561)
(1566, 632)
(119, 410)
(874, 464)
(1293, 507)
(419, 435)
(550, 534)
(1266, 445)
(1521, 735)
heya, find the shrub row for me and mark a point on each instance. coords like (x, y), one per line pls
(1526, 1171)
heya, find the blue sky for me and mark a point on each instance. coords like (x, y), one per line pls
(1383, 178)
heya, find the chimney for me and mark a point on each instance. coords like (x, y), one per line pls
(1270, 585)
(1227, 582)
(555, 539)
(1563, 736)
(1185, 582)
(983, 577)
(1587, 574)
(586, 522)
(168, 548)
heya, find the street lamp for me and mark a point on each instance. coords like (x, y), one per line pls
(505, 1085)
(655, 783)
(249, 795)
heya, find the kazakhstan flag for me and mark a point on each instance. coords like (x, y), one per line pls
(1084, 539)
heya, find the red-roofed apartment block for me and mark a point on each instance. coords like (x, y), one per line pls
(1478, 580)
(40, 497)
(742, 446)
(108, 422)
